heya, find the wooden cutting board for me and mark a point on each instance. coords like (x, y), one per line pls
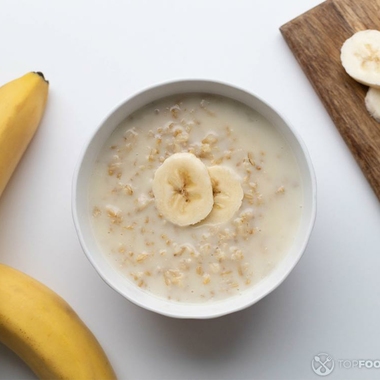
(315, 38)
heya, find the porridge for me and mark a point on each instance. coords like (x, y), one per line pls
(195, 198)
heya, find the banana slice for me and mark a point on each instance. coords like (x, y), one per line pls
(228, 194)
(182, 189)
(372, 102)
(360, 56)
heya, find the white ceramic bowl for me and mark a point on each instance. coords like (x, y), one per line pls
(124, 286)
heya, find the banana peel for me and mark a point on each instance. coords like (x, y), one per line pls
(22, 104)
(45, 332)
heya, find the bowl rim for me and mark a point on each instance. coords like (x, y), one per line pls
(194, 315)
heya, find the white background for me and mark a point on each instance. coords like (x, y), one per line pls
(97, 53)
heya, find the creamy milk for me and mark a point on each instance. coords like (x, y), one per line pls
(202, 262)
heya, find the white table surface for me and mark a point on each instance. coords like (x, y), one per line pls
(97, 53)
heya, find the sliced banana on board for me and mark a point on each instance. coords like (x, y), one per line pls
(372, 103)
(360, 56)
(182, 189)
(228, 194)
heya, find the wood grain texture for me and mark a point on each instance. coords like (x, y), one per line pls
(315, 38)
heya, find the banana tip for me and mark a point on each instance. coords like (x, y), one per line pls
(41, 75)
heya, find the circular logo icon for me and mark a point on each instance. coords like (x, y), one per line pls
(322, 364)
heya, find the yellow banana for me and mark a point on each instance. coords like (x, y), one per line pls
(22, 103)
(40, 327)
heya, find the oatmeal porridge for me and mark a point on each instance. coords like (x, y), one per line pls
(195, 198)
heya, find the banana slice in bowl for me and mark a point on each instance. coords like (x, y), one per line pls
(228, 194)
(182, 189)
